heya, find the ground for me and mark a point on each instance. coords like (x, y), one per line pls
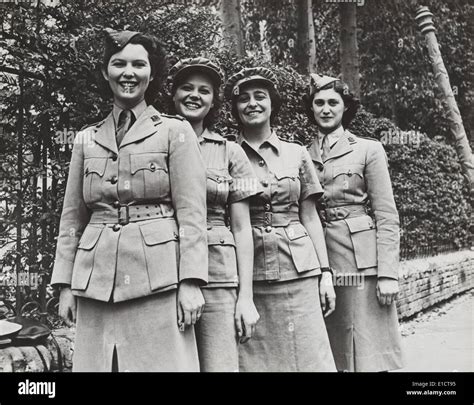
(441, 339)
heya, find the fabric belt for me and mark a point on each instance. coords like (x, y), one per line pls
(342, 212)
(268, 218)
(216, 219)
(122, 214)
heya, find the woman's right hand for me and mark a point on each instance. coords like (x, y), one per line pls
(190, 303)
(67, 306)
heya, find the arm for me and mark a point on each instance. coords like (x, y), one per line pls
(188, 191)
(379, 190)
(246, 315)
(310, 220)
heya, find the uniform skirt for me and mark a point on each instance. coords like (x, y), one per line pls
(364, 335)
(290, 335)
(143, 331)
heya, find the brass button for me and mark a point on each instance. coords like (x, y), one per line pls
(209, 228)
(152, 167)
(114, 158)
(266, 207)
(264, 183)
(268, 229)
(261, 163)
(176, 236)
(116, 204)
(113, 180)
(222, 241)
(116, 227)
(218, 179)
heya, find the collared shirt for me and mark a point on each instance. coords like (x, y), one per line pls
(333, 137)
(283, 248)
(136, 111)
(230, 178)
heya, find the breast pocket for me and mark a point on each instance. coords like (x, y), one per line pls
(288, 185)
(301, 248)
(222, 256)
(364, 240)
(348, 182)
(218, 185)
(150, 178)
(94, 170)
(161, 252)
(84, 260)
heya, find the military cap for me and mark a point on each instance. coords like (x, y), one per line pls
(247, 75)
(8, 329)
(119, 38)
(317, 82)
(197, 64)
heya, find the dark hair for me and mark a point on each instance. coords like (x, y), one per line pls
(156, 56)
(211, 118)
(275, 99)
(350, 101)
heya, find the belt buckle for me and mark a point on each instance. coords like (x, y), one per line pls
(267, 218)
(121, 219)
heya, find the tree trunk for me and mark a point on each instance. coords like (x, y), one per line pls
(349, 48)
(232, 26)
(306, 48)
(463, 149)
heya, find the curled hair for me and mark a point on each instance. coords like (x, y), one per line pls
(350, 102)
(156, 57)
(212, 116)
(275, 99)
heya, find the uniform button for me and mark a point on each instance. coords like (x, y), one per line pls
(87, 171)
(116, 228)
(264, 183)
(218, 179)
(209, 228)
(152, 167)
(116, 204)
(176, 236)
(114, 157)
(222, 241)
(266, 207)
(114, 180)
(320, 168)
(261, 163)
(268, 229)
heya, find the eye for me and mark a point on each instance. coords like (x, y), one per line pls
(140, 64)
(318, 103)
(118, 63)
(205, 91)
(186, 87)
(333, 103)
(243, 99)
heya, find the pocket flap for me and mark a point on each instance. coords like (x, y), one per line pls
(148, 161)
(295, 232)
(291, 173)
(218, 176)
(95, 165)
(358, 224)
(216, 236)
(157, 232)
(90, 237)
(349, 170)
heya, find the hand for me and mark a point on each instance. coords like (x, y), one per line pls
(67, 306)
(190, 303)
(246, 318)
(327, 295)
(387, 290)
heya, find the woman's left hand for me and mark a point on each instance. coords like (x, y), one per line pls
(327, 295)
(190, 303)
(246, 318)
(387, 290)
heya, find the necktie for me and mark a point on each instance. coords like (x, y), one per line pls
(326, 149)
(125, 119)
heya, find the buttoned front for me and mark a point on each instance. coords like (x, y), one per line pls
(230, 178)
(283, 248)
(133, 220)
(355, 175)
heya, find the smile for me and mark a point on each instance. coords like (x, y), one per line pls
(191, 106)
(253, 113)
(128, 87)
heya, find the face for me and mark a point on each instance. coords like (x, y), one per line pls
(254, 106)
(328, 108)
(193, 98)
(129, 74)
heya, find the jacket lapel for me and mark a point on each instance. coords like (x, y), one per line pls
(143, 127)
(105, 135)
(342, 147)
(315, 152)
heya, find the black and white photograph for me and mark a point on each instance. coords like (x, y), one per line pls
(237, 186)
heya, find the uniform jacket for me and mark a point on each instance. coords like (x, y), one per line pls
(158, 171)
(230, 178)
(283, 248)
(356, 173)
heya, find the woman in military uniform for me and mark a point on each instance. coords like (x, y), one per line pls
(230, 182)
(363, 249)
(292, 281)
(134, 213)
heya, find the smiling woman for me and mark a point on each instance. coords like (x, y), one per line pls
(134, 213)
